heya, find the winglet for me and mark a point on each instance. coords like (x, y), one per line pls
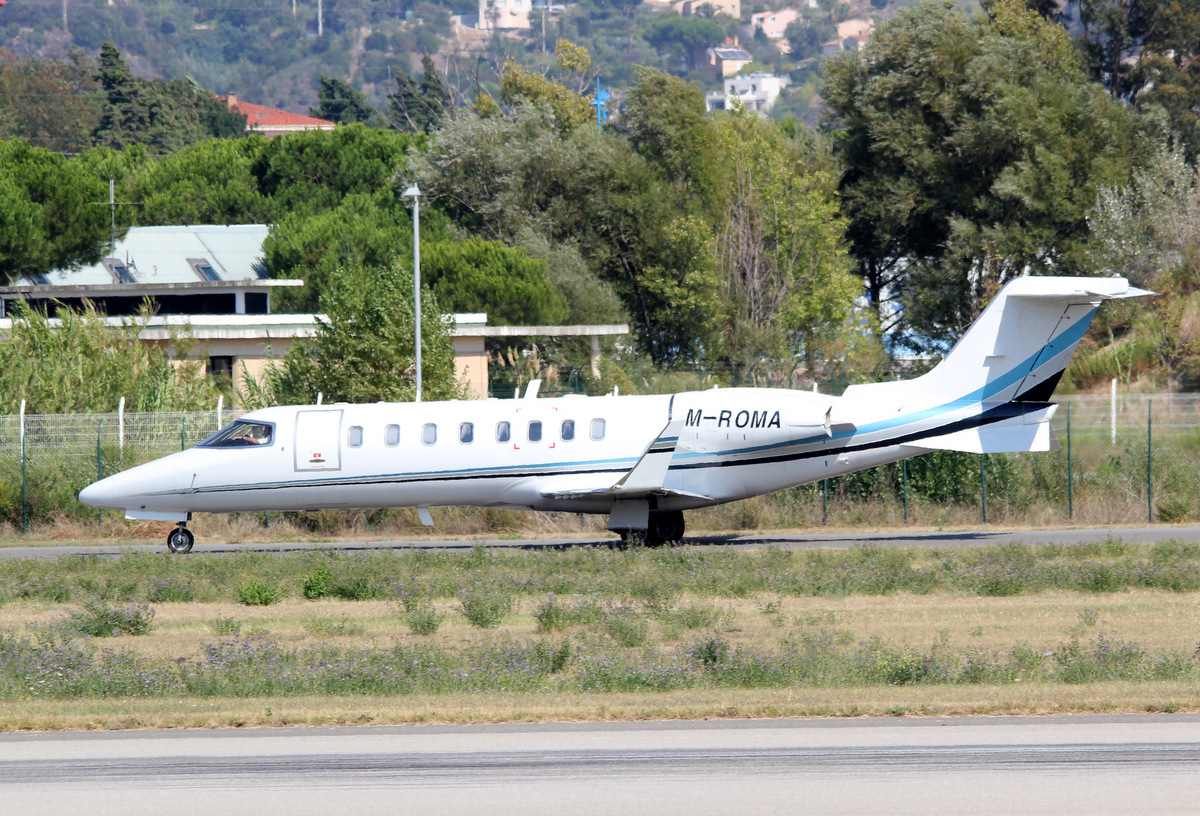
(650, 471)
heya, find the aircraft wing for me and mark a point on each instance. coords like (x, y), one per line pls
(647, 475)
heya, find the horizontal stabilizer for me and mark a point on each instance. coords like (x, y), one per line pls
(1030, 432)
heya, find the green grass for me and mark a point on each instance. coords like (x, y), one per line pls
(487, 582)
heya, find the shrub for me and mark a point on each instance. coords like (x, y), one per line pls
(553, 658)
(485, 607)
(225, 627)
(423, 619)
(626, 626)
(709, 652)
(171, 590)
(98, 619)
(319, 583)
(258, 593)
(358, 588)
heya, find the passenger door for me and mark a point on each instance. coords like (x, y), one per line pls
(318, 437)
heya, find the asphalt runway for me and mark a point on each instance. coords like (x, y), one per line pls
(1053, 765)
(799, 540)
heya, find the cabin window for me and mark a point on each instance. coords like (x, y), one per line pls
(354, 437)
(597, 429)
(503, 431)
(568, 430)
(241, 434)
(466, 433)
(391, 436)
(429, 434)
(535, 431)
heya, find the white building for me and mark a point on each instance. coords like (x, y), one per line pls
(756, 92)
(774, 23)
(505, 15)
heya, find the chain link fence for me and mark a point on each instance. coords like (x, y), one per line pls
(45, 460)
(1123, 459)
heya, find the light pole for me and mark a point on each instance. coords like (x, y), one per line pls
(416, 196)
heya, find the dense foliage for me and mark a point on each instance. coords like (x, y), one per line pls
(959, 150)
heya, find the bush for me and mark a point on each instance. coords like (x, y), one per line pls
(98, 619)
(319, 583)
(258, 593)
(485, 607)
(171, 590)
(626, 626)
(225, 627)
(423, 620)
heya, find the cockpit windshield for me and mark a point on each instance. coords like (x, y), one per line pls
(241, 434)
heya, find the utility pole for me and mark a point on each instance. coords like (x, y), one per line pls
(415, 193)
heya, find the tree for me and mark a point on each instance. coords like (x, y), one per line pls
(364, 351)
(684, 36)
(48, 103)
(125, 113)
(805, 35)
(363, 230)
(664, 119)
(789, 280)
(973, 151)
(474, 275)
(314, 170)
(339, 101)
(570, 109)
(207, 183)
(419, 108)
(50, 216)
(163, 115)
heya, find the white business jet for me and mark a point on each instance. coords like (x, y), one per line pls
(642, 460)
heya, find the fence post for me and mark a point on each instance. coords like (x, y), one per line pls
(100, 462)
(24, 478)
(904, 480)
(983, 485)
(1070, 480)
(1150, 460)
(120, 425)
(1113, 410)
(183, 435)
(824, 501)
(220, 405)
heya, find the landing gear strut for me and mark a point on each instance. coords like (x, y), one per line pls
(180, 540)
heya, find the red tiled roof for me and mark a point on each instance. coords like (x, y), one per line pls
(260, 117)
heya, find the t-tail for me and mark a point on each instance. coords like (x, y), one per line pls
(994, 386)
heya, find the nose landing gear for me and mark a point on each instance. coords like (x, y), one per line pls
(180, 540)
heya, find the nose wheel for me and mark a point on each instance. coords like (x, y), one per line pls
(180, 540)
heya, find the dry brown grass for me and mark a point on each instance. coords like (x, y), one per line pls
(925, 701)
(1154, 619)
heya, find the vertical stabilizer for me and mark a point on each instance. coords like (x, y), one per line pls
(1019, 346)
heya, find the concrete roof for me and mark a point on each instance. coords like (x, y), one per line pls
(161, 255)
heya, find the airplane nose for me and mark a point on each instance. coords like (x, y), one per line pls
(97, 494)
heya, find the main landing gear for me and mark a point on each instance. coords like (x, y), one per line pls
(665, 528)
(180, 540)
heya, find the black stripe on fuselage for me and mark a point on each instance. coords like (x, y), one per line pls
(991, 416)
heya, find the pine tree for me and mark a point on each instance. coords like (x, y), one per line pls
(125, 114)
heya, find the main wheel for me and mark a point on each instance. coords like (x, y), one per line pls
(180, 541)
(666, 527)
